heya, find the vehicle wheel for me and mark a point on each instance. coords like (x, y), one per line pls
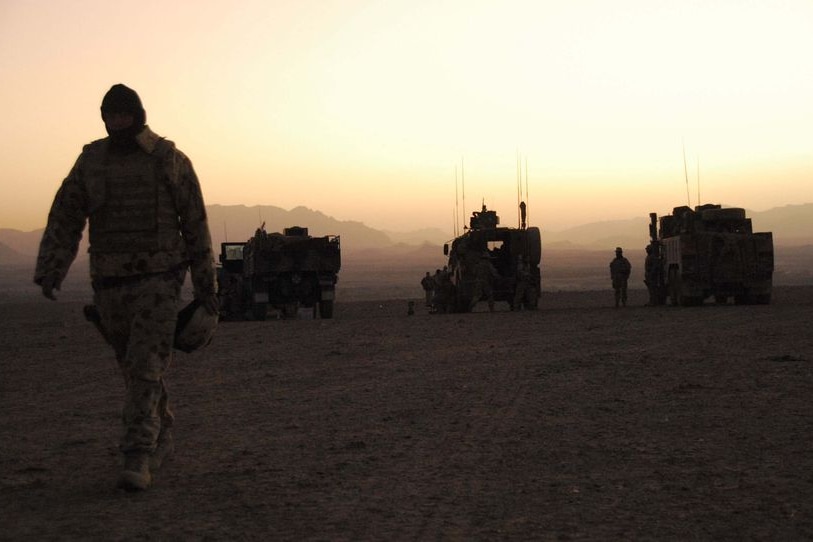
(463, 304)
(534, 240)
(762, 299)
(289, 310)
(690, 301)
(661, 296)
(259, 311)
(326, 309)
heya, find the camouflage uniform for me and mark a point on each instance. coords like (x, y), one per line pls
(437, 291)
(147, 225)
(485, 274)
(525, 293)
(620, 269)
(428, 285)
(652, 273)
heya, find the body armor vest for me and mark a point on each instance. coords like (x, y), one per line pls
(131, 208)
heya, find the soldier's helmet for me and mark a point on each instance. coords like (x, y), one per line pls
(619, 250)
(195, 327)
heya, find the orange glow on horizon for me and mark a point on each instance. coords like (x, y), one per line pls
(363, 110)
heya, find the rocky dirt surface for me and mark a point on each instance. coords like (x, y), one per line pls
(574, 422)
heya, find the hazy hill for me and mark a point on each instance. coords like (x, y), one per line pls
(573, 259)
(433, 236)
(239, 222)
(21, 242)
(9, 256)
(600, 235)
(792, 225)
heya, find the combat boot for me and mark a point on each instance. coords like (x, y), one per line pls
(136, 474)
(163, 449)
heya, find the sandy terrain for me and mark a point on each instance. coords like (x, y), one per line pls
(574, 422)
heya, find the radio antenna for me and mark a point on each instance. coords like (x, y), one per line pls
(686, 174)
(698, 179)
(527, 199)
(519, 183)
(456, 208)
(463, 187)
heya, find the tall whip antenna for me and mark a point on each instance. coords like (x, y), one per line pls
(526, 189)
(519, 184)
(686, 174)
(456, 208)
(698, 179)
(463, 188)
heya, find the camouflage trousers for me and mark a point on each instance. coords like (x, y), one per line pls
(524, 296)
(138, 317)
(620, 287)
(482, 289)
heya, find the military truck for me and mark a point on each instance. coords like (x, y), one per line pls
(284, 271)
(515, 254)
(710, 251)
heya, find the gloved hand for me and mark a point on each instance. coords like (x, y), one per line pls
(49, 284)
(210, 303)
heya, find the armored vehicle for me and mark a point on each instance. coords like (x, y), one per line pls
(707, 252)
(514, 253)
(283, 271)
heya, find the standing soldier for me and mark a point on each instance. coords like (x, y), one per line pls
(652, 272)
(444, 296)
(525, 293)
(437, 282)
(147, 225)
(620, 273)
(427, 283)
(485, 275)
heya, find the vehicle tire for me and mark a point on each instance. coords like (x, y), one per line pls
(534, 240)
(690, 301)
(462, 303)
(259, 311)
(326, 308)
(762, 299)
(289, 310)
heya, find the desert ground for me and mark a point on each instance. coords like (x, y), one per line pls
(577, 421)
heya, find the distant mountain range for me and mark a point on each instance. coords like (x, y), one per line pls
(792, 225)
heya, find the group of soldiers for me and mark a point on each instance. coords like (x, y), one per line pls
(439, 290)
(620, 269)
(440, 294)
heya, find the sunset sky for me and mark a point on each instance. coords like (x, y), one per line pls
(364, 110)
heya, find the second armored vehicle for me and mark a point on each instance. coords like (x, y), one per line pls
(284, 271)
(706, 252)
(514, 253)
